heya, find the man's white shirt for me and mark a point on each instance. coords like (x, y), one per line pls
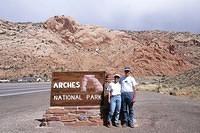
(114, 88)
(127, 83)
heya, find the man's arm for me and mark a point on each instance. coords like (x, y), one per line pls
(134, 90)
(134, 94)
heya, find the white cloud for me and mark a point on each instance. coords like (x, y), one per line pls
(181, 15)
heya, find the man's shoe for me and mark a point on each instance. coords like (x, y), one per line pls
(133, 125)
(136, 125)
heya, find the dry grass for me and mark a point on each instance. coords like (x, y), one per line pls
(192, 91)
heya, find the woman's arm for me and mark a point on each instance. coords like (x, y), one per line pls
(134, 94)
(109, 95)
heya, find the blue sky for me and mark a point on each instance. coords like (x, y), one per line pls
(170, 15)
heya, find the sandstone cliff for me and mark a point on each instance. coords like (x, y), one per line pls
(62, 44)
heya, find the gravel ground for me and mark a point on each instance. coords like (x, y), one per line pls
(156, 113)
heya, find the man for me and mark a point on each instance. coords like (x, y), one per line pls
(114, 98)
(128, 95)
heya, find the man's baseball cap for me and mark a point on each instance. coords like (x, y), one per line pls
(116, 75)
(127, 69)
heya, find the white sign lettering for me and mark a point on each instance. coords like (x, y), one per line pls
(65, 85)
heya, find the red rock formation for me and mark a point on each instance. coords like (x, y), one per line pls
(62, 44)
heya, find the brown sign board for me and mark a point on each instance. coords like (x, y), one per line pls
(82, 88)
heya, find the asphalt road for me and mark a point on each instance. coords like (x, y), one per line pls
(156, 113)
(9, 89)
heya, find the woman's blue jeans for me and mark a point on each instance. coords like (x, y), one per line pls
(115, 106)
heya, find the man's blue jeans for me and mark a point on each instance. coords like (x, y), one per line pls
(128, 114)
(115, 106)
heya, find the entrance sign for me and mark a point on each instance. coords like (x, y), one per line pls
(83, 88)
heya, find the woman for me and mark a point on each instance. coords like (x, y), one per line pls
(114, 98)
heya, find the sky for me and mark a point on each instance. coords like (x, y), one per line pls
(135, 15)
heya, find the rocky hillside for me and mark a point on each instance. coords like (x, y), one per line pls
(63, 44)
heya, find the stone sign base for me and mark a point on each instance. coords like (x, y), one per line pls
(75, 115)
